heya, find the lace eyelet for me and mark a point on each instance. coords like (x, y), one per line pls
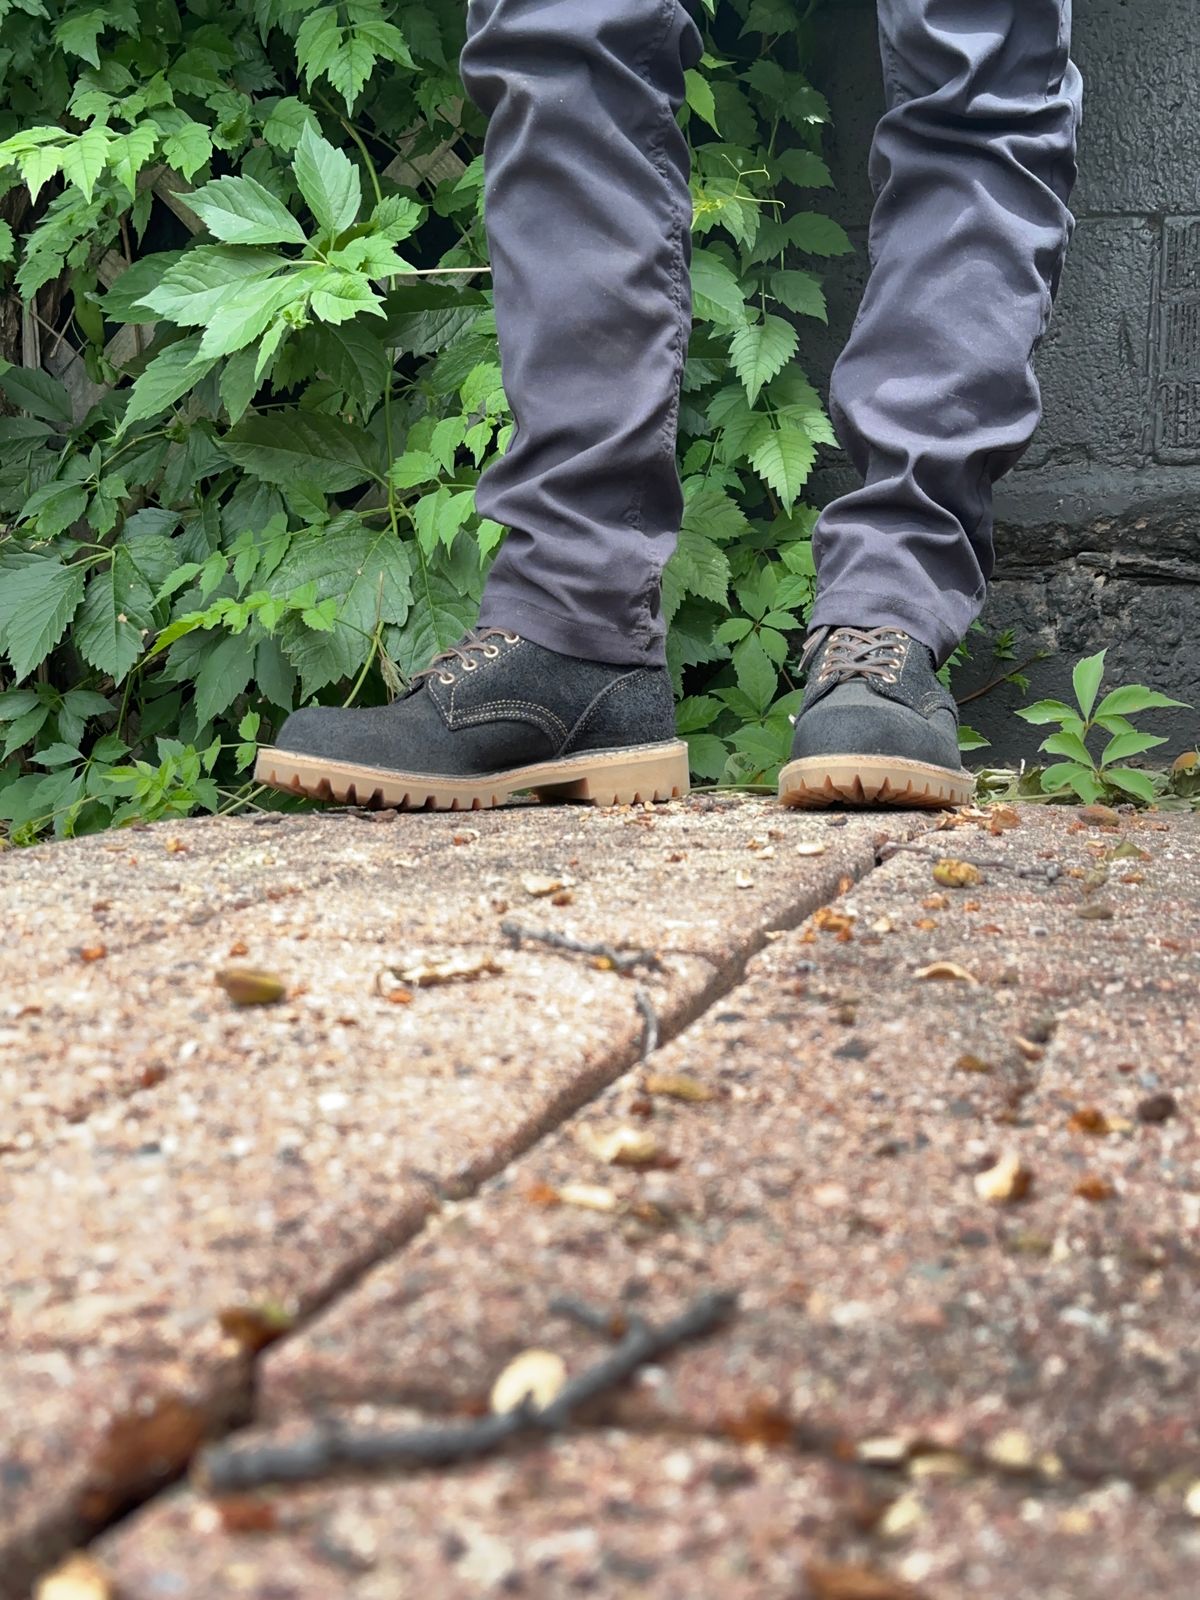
(512, 638)
(470, 666)
(490, 652)
(889, 677)
(445, 677)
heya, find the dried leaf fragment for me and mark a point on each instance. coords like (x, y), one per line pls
(946, 972)
(679, 1086)
(1189, 760)
(953, 874)
(247, 1513)
(1100, 816)
(79, 1577)
(459, 969)
(811, 847)
(1089, 1119)
(1093, 1187)
(535, 1375)
(254, 1327)
(1009, 1180)
(621, 1147)
(587, 1196)
(1095, 911)
(1002, 818)
(93, 952)
(839, 1581)
(830, 921)
(251, 986)
(972, 1063)
(541, 885)
(177, 847)
(1128, 851)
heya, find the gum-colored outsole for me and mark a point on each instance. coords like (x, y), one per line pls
(656, 772)
(819, 781)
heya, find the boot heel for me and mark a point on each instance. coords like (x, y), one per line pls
(619, 778)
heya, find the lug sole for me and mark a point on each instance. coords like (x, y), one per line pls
(652, 772)
(818, 781)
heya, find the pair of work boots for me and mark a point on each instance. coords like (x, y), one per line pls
(498, 715)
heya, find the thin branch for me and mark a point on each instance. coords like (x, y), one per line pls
(624, 960)
(332, 1447)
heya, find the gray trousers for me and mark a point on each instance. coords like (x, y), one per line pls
(934, 397)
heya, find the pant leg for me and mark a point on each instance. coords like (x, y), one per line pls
(934, 396)
(588, 217)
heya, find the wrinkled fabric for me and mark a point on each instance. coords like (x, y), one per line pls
(933, 399)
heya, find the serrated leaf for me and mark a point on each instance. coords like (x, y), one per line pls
(800, 292)
(37, 392)
(440, 615)
(117, 606)
(698, 567)
(36, 604)
(397, 217)
(341, 296)
(167, 378)
(714, 514)
(287, 121)
(1067, 744)
(328, 180)
(355, 358)
(77, 34)
(761, 350)
(1086, 679)
(717, 296)
(1139, 784)
(818, 235)
(366, 571)
(241, 211)
(55, 506)
(249, 309)
(85, 159)
(699, 97)
(757, 674)
(412, 468)
(194, 289)
(225, 671)
(239, 383)
(287, 444)
(783, 458)
(188, 148)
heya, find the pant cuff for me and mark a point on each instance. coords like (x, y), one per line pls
(570, 636)
(860, 608)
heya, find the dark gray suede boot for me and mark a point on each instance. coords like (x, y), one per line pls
(876, 726)
(492, 717)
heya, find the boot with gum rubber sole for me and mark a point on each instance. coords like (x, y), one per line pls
(494, 717)
(876, 727)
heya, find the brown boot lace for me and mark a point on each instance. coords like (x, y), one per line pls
(479, 639)
(859, 653)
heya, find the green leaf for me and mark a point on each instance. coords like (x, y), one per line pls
(783, 458)
(717, 295)
(286, 445)
(1069, 745)
(757, 674)
(167, 379)
(38, 393)
(340, 296)
(36, 604)
(818, 235)
(969, 739)
(118, 605)
(1086, 679)
(239, 383)
(799, 292)
(188, 148)
(696, 713)
(224, 673)
(195, 288)
(1139, 784)
(241, 211)
(366, 571)
(248, 310)
(1129, 744)
(700, 97)
(1071, 775)
(413, 468)
(85, 159)
(288, 119)
(77, 34)
(1134, 697)
(55, 506)
(761, 350)
(707, 755)
(698, 566)
(1044, 711)
(328, 180)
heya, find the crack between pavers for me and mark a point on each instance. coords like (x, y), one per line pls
(234, 1402)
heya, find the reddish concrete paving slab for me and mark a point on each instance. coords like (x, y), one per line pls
(832, 1180)
(180, 1176)
(667, 1519)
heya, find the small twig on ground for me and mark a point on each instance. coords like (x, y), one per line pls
(650, 1017)
(1048, 874)
(624, 960)
(235, 1468)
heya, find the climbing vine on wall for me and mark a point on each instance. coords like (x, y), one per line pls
(252, 379)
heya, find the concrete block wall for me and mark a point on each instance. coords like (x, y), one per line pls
(1098, 538)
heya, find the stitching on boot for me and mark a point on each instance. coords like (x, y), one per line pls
(602, 697)
(541, 716)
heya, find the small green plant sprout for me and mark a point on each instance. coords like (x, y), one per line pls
(1080, 773)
